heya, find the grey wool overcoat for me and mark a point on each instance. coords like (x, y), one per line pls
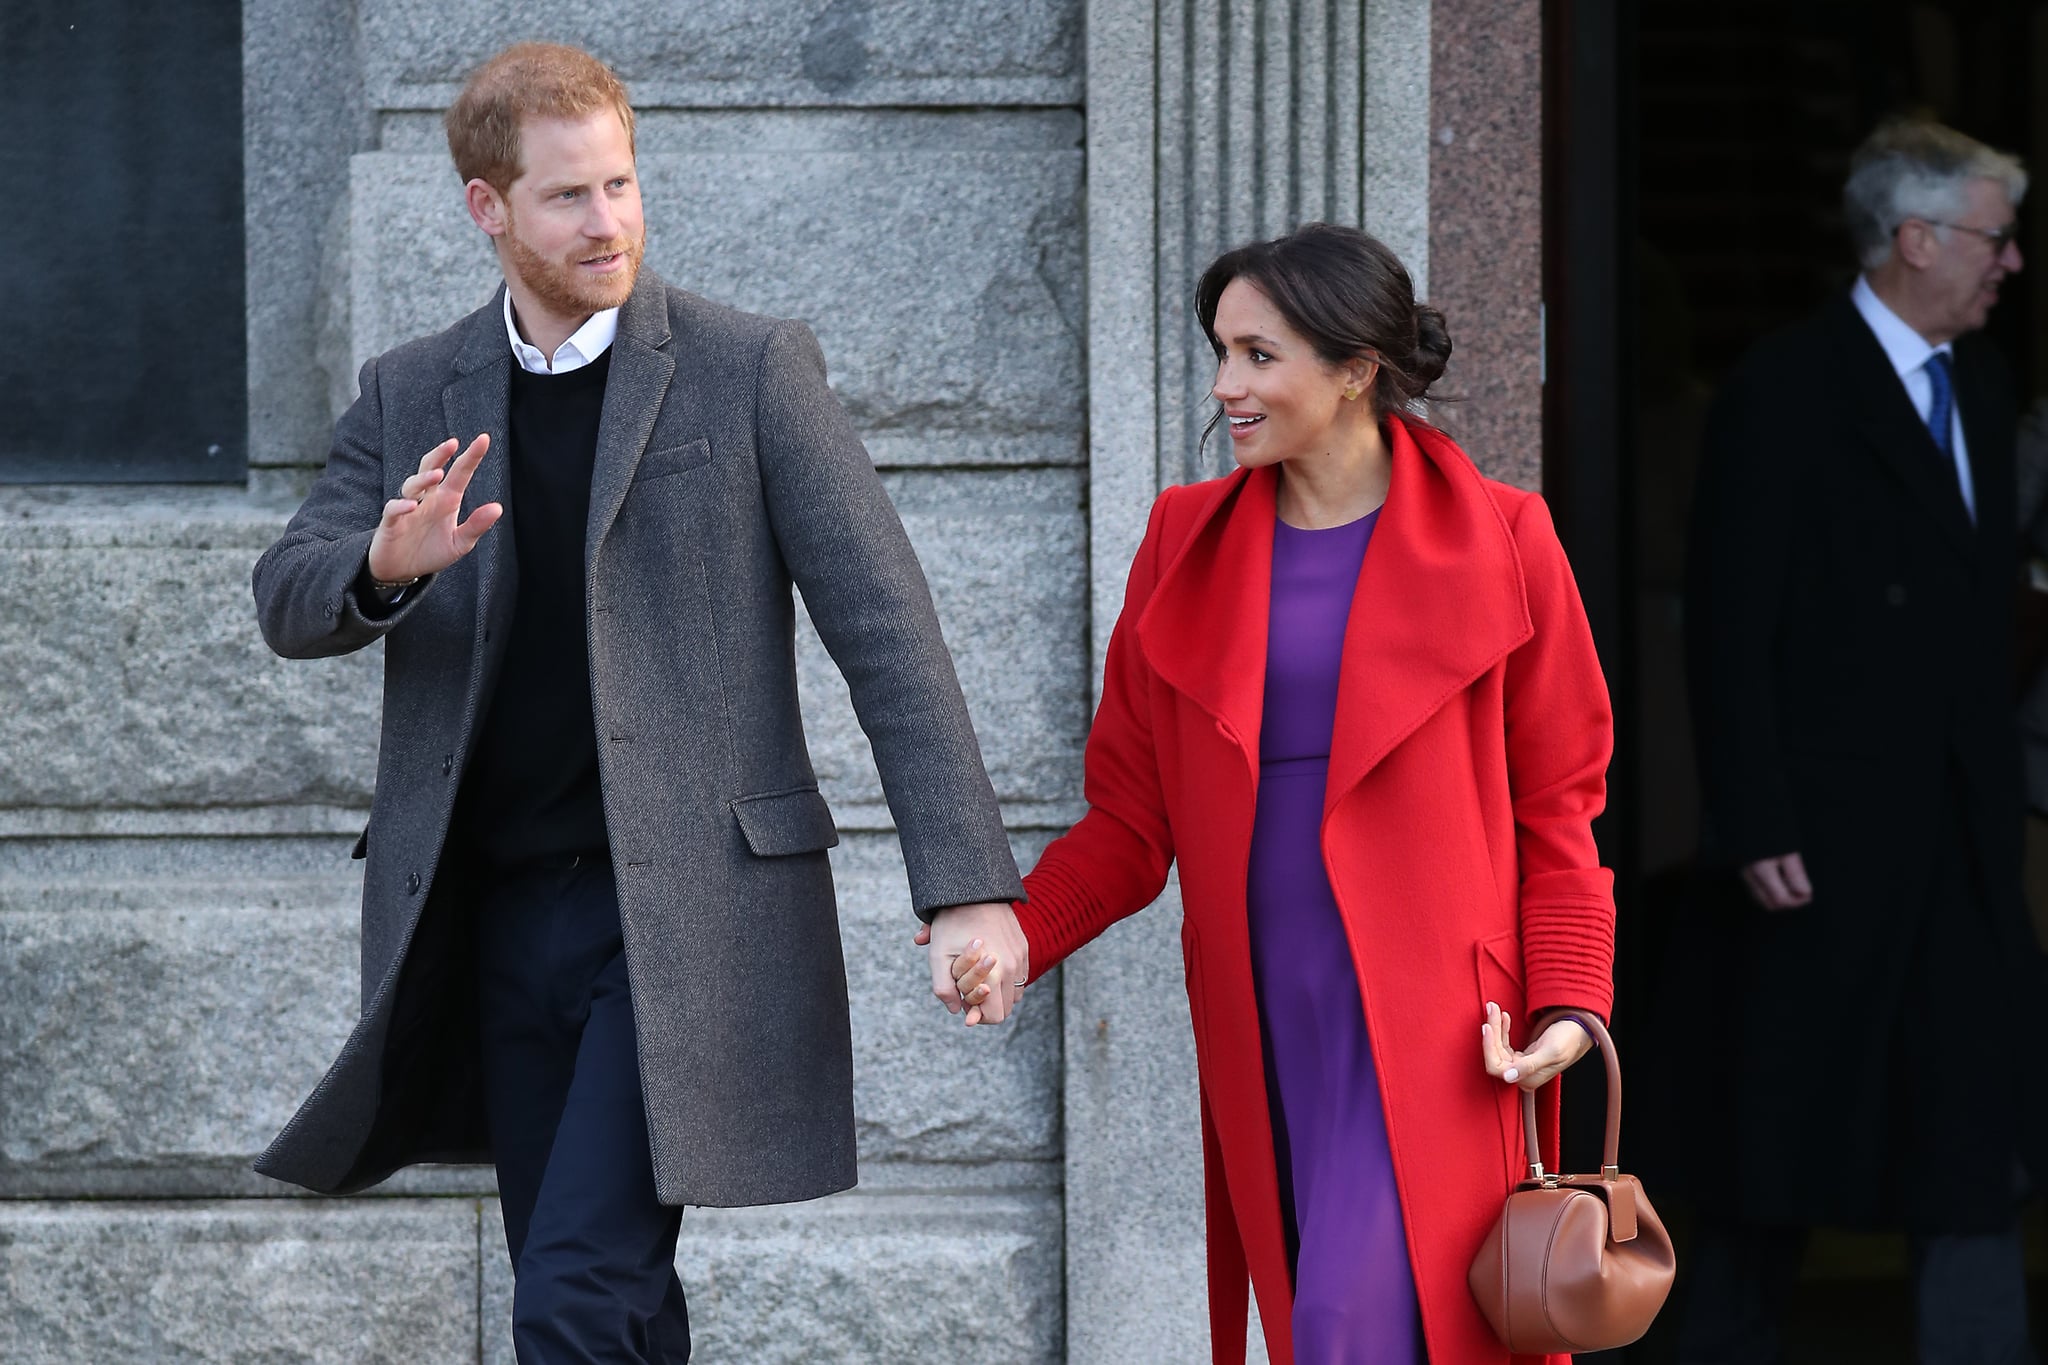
(725, 472)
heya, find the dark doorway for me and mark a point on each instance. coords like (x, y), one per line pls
(1694, 162)
(121, 262)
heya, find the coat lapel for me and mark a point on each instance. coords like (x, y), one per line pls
(642, 364)
(1440, 600)
(1888, 421)
(1204, 631)
(478, 400)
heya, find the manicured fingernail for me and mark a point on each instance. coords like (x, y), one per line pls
(975, 944)
(1511, 1074)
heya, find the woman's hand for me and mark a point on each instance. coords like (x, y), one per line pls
(971, 978)
(977, 973)
(1563, 1043)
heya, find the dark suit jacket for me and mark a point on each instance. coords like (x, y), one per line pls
(1849, 659)
(725, 472)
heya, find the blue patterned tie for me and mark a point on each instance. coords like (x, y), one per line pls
(1941, 414)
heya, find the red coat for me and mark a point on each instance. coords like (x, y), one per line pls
(1468, 761)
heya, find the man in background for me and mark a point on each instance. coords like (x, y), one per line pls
(1849, 618)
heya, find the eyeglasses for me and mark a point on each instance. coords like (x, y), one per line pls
(2000, 238)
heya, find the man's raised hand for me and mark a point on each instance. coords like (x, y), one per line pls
(421, 532)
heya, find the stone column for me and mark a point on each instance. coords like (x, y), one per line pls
(1210, 122)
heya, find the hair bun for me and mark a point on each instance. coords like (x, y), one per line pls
(1432, 346)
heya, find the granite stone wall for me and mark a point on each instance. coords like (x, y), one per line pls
(989, 212)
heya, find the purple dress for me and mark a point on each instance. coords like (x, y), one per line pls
(1354, 1293)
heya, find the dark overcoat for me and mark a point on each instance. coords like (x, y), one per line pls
(1850, 665)
(725, 472)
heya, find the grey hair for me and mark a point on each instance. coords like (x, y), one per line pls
(1916, 168)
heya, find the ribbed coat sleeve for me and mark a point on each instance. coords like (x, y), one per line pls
(1560, 736)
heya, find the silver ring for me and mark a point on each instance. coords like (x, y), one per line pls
(1020, 985)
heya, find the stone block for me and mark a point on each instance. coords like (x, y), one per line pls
(132, 643)
(130, 652)
(728, 52)
(244, 1283)
(1006, 555)
(945, 286)
(170, 1002)
(159, 1030)
(926, 1087)
(854, 1278)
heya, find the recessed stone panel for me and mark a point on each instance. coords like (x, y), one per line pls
(944, 286)
(730, 52)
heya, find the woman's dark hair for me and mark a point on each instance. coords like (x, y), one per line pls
(1349, 296)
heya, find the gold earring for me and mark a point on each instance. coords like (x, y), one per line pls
(1350, 394)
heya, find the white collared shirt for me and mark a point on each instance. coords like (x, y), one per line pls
(1909, 353)
(584, 345)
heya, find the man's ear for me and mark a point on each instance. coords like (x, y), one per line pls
(486, 207)
(1915, 243)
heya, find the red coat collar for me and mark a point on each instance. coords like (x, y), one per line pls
(1441, 599)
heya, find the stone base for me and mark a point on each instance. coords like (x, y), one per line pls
(862, 1277)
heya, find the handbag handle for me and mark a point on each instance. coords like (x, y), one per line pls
(1610, 1156)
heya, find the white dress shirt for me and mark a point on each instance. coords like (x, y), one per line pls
(584, 345)
(1909, 353)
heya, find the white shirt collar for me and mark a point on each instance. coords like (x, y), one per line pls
(584, 345)
(1904, 347)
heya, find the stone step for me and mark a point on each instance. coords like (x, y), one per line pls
(858, 1277)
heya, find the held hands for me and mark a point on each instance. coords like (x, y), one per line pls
(1778, 883)
(980, 960)
(420, 532)
(1563, 1043)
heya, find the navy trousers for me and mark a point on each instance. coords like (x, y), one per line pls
(593, 1250)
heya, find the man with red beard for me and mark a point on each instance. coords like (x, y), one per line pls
(600, 946)
(1849, 609)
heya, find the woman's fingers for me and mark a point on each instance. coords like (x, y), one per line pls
(1493, 1043)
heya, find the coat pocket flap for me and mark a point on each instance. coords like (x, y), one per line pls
(780, 823)
(676, 459)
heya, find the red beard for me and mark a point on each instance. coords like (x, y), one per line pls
(562, 287)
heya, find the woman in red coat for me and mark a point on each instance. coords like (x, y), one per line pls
(1353, 694)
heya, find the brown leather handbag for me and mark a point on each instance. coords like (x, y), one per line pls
(1576, 1262)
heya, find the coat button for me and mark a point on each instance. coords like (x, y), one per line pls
(447, 764)
(412, 883)
(1895, 594)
